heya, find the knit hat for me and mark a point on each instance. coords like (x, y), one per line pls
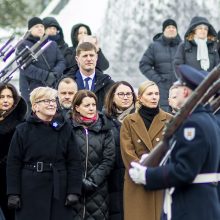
(33, 21)
(169, 22)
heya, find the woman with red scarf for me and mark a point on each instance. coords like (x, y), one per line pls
(96, 143)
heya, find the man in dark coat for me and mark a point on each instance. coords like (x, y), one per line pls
(156, 63)
(47, 70)
(87, 76)
(193, 165)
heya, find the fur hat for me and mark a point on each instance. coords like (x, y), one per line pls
(33, 21)
(169, 22)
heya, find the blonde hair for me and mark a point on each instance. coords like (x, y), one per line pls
(40, 93)
(142, 88)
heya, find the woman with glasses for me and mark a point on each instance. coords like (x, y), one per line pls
(12, 112)
(95, 140)
(140, 132)
(199, 48)
(119, 102)
(43, 166)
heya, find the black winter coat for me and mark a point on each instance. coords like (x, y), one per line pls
(194, 153)
(102, 83)
(96, 144)
(157, 64)
(7, 128)
(43, 194)
(36, 74)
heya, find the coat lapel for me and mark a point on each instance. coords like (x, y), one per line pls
(141, 131)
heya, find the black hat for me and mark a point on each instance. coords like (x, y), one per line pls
(190, 76)
(169, 22)
(33, 21)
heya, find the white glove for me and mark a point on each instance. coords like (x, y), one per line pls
(137, 173)
(143, 157)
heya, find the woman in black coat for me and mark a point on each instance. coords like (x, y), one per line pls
(119, 102)
(95, 140)
(43, 166)
(12, 112)
(199, 48)
(78, 32)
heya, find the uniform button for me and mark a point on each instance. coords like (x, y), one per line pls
(157, 139)
(139, 141)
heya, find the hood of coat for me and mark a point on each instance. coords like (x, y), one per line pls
(56, 123)
(102, 124)
(200, 20)
(14, 117)
(51, 21)
(74, 33)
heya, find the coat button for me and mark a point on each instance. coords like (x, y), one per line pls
(139, 141)
(157, 139)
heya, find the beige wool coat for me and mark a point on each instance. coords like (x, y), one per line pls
(140, 204)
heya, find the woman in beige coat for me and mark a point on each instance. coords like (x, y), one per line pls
(140, 132)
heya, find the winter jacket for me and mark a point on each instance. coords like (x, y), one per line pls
(59, 38)
(96, 144)
(101, 84)
(43, 167)
(187, 50)
(70, 53)
(7, 128)
(157, 64)
(36, 74)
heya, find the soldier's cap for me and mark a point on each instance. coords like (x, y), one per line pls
(189, 76)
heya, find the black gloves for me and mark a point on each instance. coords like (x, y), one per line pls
(88, 185)
(51, 79)
(14, 202)
(71, 200)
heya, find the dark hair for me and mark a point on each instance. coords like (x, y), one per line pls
(85, 46)
(13, 90)
(80, 95)
(110, 107)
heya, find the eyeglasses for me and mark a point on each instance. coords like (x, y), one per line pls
(122, 95)
(47, 101)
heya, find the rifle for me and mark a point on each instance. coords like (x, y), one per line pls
(161, 150)
(26, 52)
(2, 52)
(215, 104)
(24, 63)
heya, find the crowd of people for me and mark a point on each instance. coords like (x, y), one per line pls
(73, 141)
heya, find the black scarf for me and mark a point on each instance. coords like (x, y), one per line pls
(148, 114)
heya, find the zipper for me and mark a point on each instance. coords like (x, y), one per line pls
(86, 166)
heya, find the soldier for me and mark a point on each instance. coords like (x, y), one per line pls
(191, 171)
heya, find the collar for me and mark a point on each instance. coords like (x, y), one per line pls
(84, 77)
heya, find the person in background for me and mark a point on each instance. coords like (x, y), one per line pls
(96, 144)
(173, 99)
(55, 33)
(119, 102)
(12, 112)
(44, 174)
(67, 89)
(139, 134)
(82, 33)
(191, 173)
(199, 48)
(218, 43)
(48, 68)
(88, 76)
(157, 61)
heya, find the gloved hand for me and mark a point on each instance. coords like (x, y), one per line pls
(71, 200)
(143, 157)
(88, 185)
(51, 79)
(138, 173)
(14, 202)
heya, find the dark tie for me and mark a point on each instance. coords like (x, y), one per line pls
(87, 83)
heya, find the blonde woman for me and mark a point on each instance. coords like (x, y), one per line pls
(43, 167)
(140, 132)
